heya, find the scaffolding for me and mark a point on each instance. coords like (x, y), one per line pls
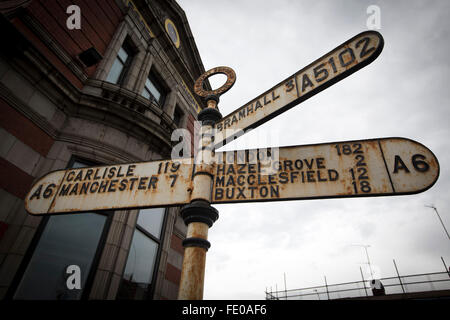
(401, 285)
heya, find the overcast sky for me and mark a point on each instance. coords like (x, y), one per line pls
(403, 93)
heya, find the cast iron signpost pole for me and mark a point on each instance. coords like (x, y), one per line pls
(199, 216)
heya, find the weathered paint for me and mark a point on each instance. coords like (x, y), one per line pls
(317, 76)
(192, 274)
(378, 167)
(133, 185)
(194, 261)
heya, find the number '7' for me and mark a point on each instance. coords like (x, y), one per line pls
(174, 178)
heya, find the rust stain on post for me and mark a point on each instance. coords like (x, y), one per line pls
(193, 274)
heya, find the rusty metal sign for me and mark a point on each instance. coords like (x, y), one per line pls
(378, 167)
(334, 66)
(135, 185)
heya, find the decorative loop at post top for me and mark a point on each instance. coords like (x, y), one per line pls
(215, 94)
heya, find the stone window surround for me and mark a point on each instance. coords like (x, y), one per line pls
(139, 69)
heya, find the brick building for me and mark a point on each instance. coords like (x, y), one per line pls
(110, 92)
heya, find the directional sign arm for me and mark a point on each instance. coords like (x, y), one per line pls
(377, 167)
(334, 66)
(121, 186)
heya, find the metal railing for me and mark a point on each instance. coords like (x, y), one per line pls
(392, 285)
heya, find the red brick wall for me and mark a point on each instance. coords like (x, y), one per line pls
(24, 129)
(13, 179)
(99, 20)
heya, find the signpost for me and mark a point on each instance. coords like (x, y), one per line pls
(334, 66)
(377, 167)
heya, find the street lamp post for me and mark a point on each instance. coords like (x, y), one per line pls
(443, 226)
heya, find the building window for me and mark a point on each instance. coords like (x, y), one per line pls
(154, 90)
(143, 257)
(121, 64)
(69, 239)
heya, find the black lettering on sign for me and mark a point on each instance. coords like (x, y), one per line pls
(275, 191)
(309, 165)
(231, 169)
(92, 189)
(84, 188)
(74, 190)
(306, 82)
(320, 73)
(241, 114)
(252, 189)
(96, 176)
(274, 97)
(130, 170)
(174, 179)
(123, 184)
(290, 85)
(220, 169)
(88, 174)
(419, 164)
(241, 180)
(346, 149)
(230, 181)
(241, 193)
(112, 172)
(284, 178)
(241, 168)
(220, 181)
(319, 162)
(37, 193)
(263, 191)
(103, 186)
(319, 178)
(333, 65)
(310, 176)
(118, 173)
(142, 182)
(219, 194)
(79, 176)
(365, 42)
(257, 105)
(112, 185)
(399, 165)
(250, 108)
(70, 176)
(49, 191)
(360, 162)
(65, 189)
(153, 181)
(333, 175)
(132, 180)
(341, 57)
